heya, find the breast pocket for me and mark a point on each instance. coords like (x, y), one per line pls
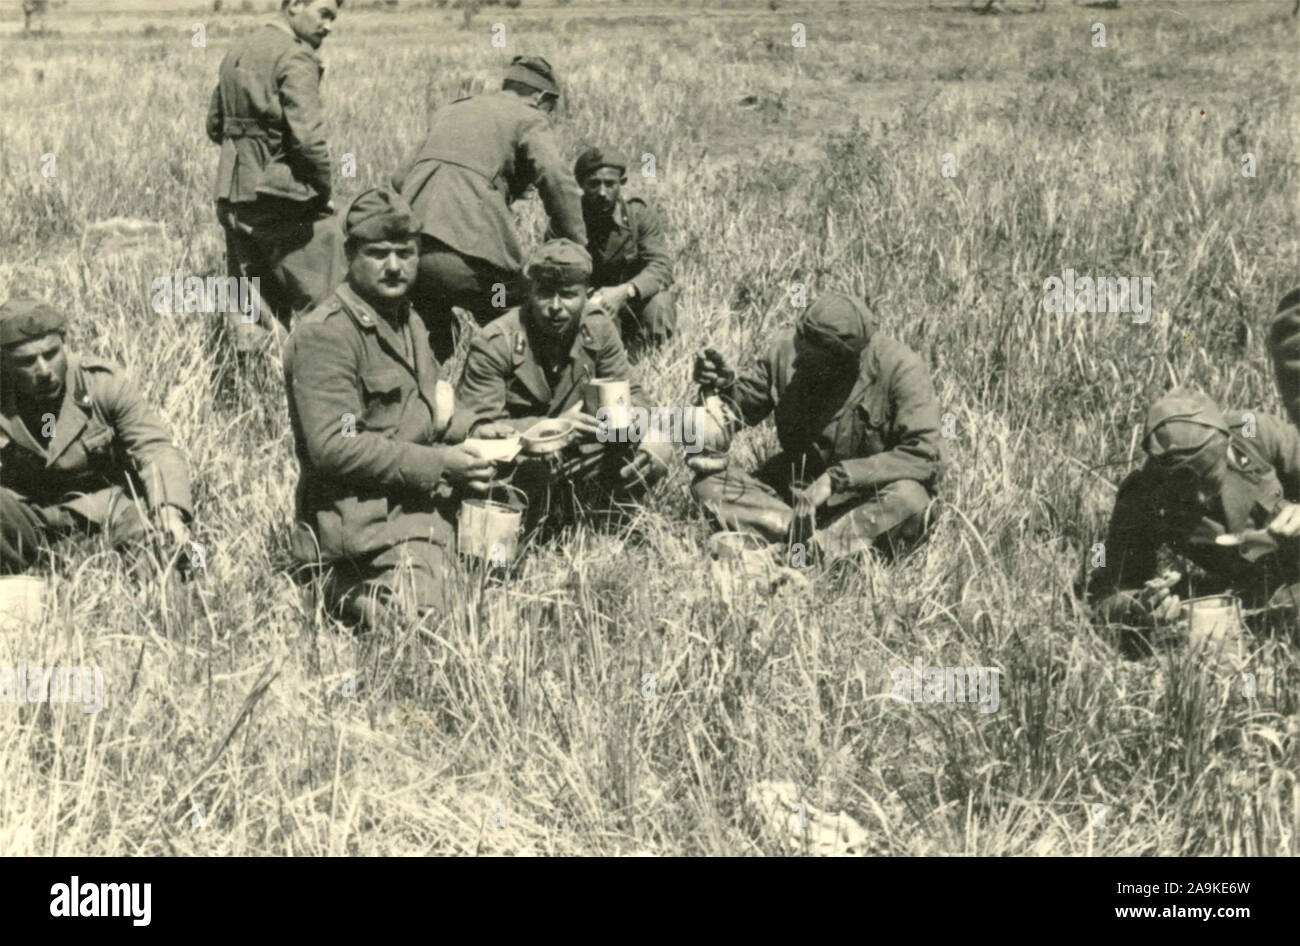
(383, 395)
(93, 451)
(870, 429)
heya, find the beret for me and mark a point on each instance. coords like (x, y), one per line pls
(1182, 428)
(380, 214)
(558, 262)
(24, 318)
(533, 71)
(595, 158)
(839, 322)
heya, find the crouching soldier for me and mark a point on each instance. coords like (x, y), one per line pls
(372, 426)
(632, 270)
(80, 450)
(857, 421)
(534, 363)
(1218, 490)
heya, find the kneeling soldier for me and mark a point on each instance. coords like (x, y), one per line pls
(78, 445)
(534, 362)
(858, 422)
(1220, 491)
(632, 271)
(372, 424)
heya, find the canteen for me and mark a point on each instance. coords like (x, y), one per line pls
(489, 530)
(613, 395)
(1213, 621)
(22, 601)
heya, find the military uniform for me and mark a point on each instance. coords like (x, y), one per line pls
(480, 155)
(363, 418)
(1263, 471)
(109, 447)
(273, 177)
(876, 436)
(504, 380)
(1284, 347)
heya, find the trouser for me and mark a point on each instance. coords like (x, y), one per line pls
(647, 323)
(890, 519)
(582, 483)
(295, 253)
(447, 278)
(27, 527)
(411, 575)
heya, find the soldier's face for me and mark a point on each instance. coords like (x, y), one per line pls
(38, 368)
(1201, 486)
(555, 310)
(600, 189)
(824, 361)
(384, 270)
(312, 20)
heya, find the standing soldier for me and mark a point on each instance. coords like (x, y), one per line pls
(858, 424)
(480, 155)
(631, 268)
(371, 426)
(1284, 346)
(78, 444)
(1209, 476)
(534, 362)
(273, 178)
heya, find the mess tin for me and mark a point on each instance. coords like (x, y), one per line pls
(22, 601)
(1213, 621)
(547, 436)
(502, 450)
(489, 530)
(613, 395)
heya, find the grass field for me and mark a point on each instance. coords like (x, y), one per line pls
(522, 724)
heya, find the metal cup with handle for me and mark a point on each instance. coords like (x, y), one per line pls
(489, 530)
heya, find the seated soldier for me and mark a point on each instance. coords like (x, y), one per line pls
(857, 420)
(1284, 346)
(372, 427)
(79, 447)
(534, 362)
(1207, 475)
(631, 269)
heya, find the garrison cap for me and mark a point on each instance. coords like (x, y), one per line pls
(1183, 429)
(533, 71)
(593, 159)
(380, 214)
(24, 318)
(558, 262)
(838, 322)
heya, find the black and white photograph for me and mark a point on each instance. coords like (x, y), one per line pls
(651, 428)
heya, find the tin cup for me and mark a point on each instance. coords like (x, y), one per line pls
(613, 395)
(489, 530)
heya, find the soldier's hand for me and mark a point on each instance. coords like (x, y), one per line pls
(1286, 524)
(645, 467)
(1167, 609)
(583, 424)
(711, 370)
(173, 521)
(495, 430)
(816, 494)
(462, 466)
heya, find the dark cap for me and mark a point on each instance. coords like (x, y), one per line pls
(593, 159)
(837, 322)
(558, 262)
(1183, 429)
(24, 318)
(380, 214)
(533, 71)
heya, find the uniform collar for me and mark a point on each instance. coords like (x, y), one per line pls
(279, 24)
(364, 314)
(528, 367)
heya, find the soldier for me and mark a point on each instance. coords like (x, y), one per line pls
(273, 178)
(1207, 474)
(534, 362)
(372, 431)
(631, 267)
(480, 155)
(78, 445)
(857, 421)
(1284, 346)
